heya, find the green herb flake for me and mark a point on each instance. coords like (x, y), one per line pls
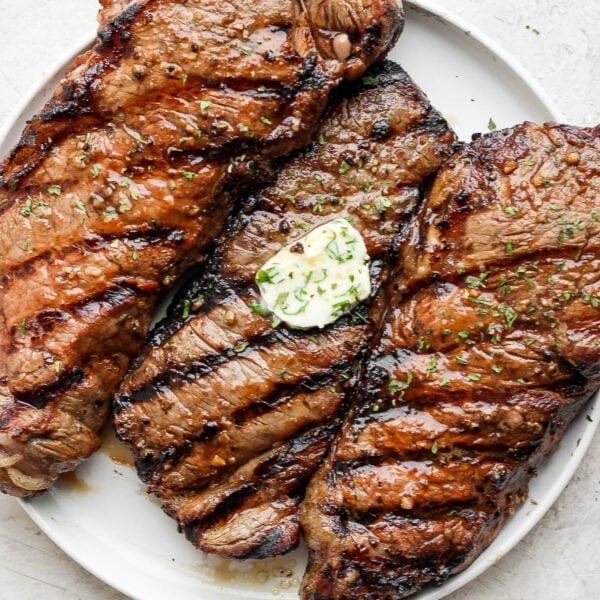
(359, 317)
(475, 282)
(344, 168)
(204, 104)
(432, 366)
(394, 386)
(474, 376)
(259, 309)
(382, 204)
(491, 124)
(481, 300)
(27, 210)
(241, 347)
(54, 190)
(434, 448)
(187, 307)
(369, 80)
(189, 175)
(22, 328)
(264, 277)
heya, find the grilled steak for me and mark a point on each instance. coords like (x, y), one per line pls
(127, 175)
(229, 416)
(489, 350)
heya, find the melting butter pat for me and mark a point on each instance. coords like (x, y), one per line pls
(318, 278)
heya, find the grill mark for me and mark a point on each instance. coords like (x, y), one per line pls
(270, 545)
(497, 453)
(298, 444)
(527, 257)
(382, 366)
(175, 377)
(139, 238)
(119, 294)
(416, 517)
(498, 264)
(116, 295)
(40, 395)
(285, 393)
(432, 123)
(34, 153)
(271, 466)
(175, 453)
(229, 504)
(118, 25)
(487, 492)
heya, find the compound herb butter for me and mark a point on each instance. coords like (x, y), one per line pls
(318, 278)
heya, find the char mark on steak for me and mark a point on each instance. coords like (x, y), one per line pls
(489, 349)
(218, 391)
(126, 176)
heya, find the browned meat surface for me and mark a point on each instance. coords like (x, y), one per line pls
(229, 417)
(490, 348)
(128, 173)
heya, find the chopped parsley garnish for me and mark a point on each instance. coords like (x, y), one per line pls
(187, 307)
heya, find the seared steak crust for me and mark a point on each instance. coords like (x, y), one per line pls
(490, 348)
(219, 393)
(125, 177)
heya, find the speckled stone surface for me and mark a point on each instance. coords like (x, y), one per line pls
(558, 42)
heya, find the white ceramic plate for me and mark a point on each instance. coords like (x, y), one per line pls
(102, 516)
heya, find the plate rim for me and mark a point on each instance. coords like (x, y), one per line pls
(431, 9)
